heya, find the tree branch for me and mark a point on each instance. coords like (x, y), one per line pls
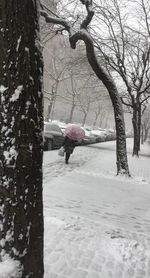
(57, 20)
(90, 13)
(145, 99)
(125, 103)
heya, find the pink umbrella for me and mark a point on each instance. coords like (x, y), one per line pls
(74, 132)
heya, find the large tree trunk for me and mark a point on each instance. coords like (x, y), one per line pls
(136, 132)
(142, 134)
(21, 69)
(122, 163)
(139, 125)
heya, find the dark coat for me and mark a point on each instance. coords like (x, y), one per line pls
(69, 145)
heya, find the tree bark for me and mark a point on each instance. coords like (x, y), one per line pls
(122, 163)
(139, 125)
(142, 134)
(21, 148)
(136, 121)
(135, 132)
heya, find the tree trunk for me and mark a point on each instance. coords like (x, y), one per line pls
(139, 125)
(21, 70)
(142, 134)
(51, 104)
(71, 113)
(84, 119)
(101, 119)
(122, 163)
(95, 120)
(135, 131)
(146, 133)
(48, 112)
(106, 120)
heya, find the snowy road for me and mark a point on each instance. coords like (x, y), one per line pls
(97, 225)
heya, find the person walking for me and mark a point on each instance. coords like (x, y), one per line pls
(69, 145)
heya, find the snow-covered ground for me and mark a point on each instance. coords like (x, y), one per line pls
(97, 225)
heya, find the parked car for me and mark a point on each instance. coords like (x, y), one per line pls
(111, 135)
(89, 138)
(99, 135)
(53, 136)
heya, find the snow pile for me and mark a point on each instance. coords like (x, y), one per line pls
(126, 250)
(10, 268)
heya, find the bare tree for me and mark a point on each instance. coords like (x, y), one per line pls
(82, 34)
(102, 105)
(73, 97)
(21, 206)
(84, 103)
(97, 114)
(55, 73)
(48, 32)
(126, 50)
(51, 97)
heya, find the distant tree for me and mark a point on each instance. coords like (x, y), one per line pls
(72, 97)
(97, 113)
(48, 32)
(52, 94)
(54, 74)
(83, 35)
(82, 93)
(51, 97)
(60, 72)
(102, 108)
(21, 120)
(85, 103)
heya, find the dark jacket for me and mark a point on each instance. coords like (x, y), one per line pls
(69, 145)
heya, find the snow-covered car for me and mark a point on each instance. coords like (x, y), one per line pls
(100, 135)
(53, 136)
(62, 125)
(110, 134)
(89, 137)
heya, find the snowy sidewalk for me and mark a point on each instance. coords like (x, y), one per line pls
(97, 225)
